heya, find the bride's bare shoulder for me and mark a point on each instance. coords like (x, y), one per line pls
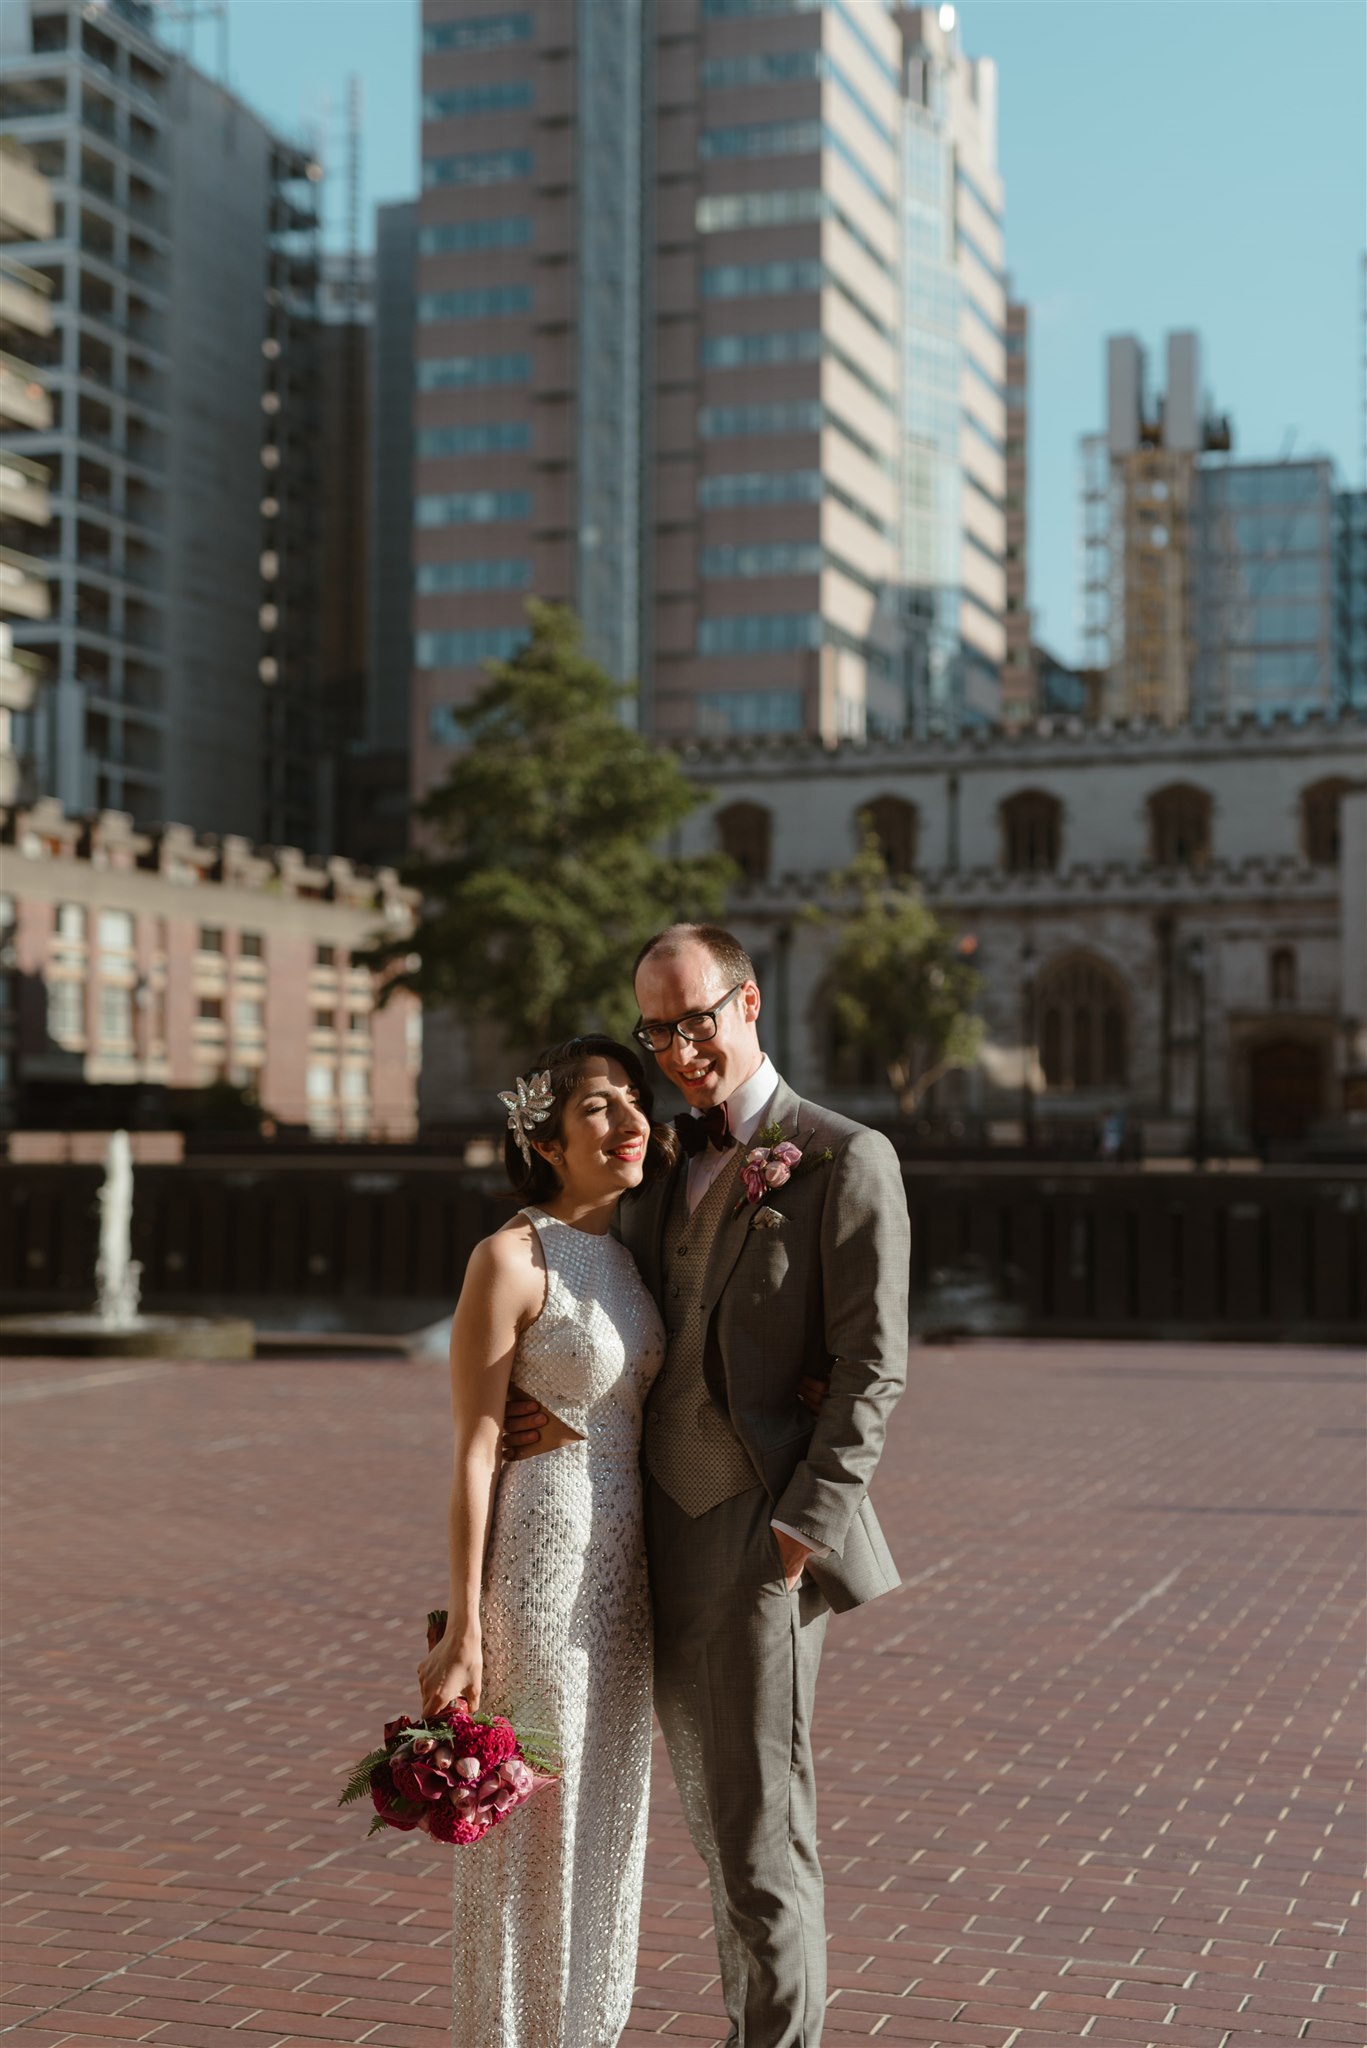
(508, 1259)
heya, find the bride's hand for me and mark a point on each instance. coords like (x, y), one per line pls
(452, 1670)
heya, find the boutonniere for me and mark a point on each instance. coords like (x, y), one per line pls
(771, 1164)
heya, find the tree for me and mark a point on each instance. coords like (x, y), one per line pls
(902, 986)
(547, 875)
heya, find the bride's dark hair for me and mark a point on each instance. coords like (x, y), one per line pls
(537, 1181)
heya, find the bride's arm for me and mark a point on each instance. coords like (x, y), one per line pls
(501, 1295)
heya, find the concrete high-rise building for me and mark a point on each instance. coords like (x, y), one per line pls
(1263, 588)
(1020, 686)
(1139, 500)
(670, 316)
(26, 215)
(183, 443)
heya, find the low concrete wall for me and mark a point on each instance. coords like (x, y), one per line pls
(1066, 1250)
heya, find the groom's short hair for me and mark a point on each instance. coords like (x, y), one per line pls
(724, 947)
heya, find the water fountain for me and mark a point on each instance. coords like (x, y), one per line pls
(117, 1327)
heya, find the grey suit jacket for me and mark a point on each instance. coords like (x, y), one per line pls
(822, 1294)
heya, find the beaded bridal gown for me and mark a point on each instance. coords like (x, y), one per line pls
(546, 1907)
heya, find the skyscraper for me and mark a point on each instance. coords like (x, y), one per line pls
(1020, 687)
(26, 214)
(182, 560)
(669, 366)
(1262, 588)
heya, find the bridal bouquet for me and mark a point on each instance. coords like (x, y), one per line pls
(454, 1775)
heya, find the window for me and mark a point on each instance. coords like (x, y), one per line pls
(116, 1014)
(786, 345)
(1179, 826)
(250, 946)
(763, 487)
(463, 650)
(509, 231)
(1281, 975)
(210, 1007)
(355, 1084)
(357, 1021)
(1031, 832)
(728, 711)
(495, 97)
(116, 931)
(491, 437)
(249, 1014)
(725, 422)
(1320, 830)
(1083, 1013)
(472, 373)
(485, 167)
(746, 833)
(484, 32)
(759, 633)
(323, 1020)
(485, 302)
(210, 938)
(66, 1012)
(473, 508)
(894, 824)
(324, 956)
(70, 921)
(505, 573)
(765, 558)
(320, 1083)
(761, 280)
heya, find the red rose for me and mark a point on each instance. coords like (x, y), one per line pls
(393, 1729)
(416, 1777)
(386, 1801)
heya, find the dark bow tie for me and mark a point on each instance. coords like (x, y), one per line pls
(713, 1127)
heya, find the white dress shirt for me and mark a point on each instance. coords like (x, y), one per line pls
(747, 1109)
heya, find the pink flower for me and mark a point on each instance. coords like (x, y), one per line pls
(787, 1151)
(776, 1171)
(753, 1179)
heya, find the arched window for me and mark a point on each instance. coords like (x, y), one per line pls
(1031, 832)
(1083, 1013)
(1281, 975)
(746, 832)
(894, 822)
(1179, 826)
(1320, 821)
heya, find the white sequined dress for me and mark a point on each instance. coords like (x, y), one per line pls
(546, 1907)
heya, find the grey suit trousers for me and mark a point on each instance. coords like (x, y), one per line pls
(736, 1660)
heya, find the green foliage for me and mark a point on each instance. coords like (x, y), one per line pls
(547, 877)
(902, 988)
(358, 1784)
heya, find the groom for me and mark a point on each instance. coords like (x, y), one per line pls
(757, 1520)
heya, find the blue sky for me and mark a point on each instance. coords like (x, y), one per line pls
(1167, 165)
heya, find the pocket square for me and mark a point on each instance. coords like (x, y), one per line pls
(765, 1219)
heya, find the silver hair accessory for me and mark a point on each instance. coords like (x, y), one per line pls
(531, 1105)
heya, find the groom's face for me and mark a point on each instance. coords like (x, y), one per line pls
(678, 984)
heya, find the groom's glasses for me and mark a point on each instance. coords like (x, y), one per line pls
(694, 1029)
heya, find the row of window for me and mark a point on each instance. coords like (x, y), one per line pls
(472, 373)
(506, 231)
(777, 280)
(472, 508)
(723, 211)
(784, 67)
(509, 572)
(779, 558)
(783, 487)
(497, 96)
(115, 933)
(783, 345)
(483, 302)
(481, 32)
(790, 138)
(1031, 828)
(792, 416)
(478, 167)
(485, 437)
(465, 650)
(781, 633)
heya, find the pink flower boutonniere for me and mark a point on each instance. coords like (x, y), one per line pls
(771, 1164)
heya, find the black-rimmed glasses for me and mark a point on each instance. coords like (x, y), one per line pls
(694, 1029)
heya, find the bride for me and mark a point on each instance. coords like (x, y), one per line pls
(549, 1607)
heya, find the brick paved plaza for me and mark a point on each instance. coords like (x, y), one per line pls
(1093, 1775)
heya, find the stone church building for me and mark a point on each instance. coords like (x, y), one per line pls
(1171, 923)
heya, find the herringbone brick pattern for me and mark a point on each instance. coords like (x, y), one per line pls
(1093, 1774)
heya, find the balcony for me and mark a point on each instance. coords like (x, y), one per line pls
(24, 402)
(24, 490)
(23, 586)
(25, 298)
(20, 674)
(28, 211)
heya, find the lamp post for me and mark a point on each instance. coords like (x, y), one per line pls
(1196, 963)
(1028, 1043)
